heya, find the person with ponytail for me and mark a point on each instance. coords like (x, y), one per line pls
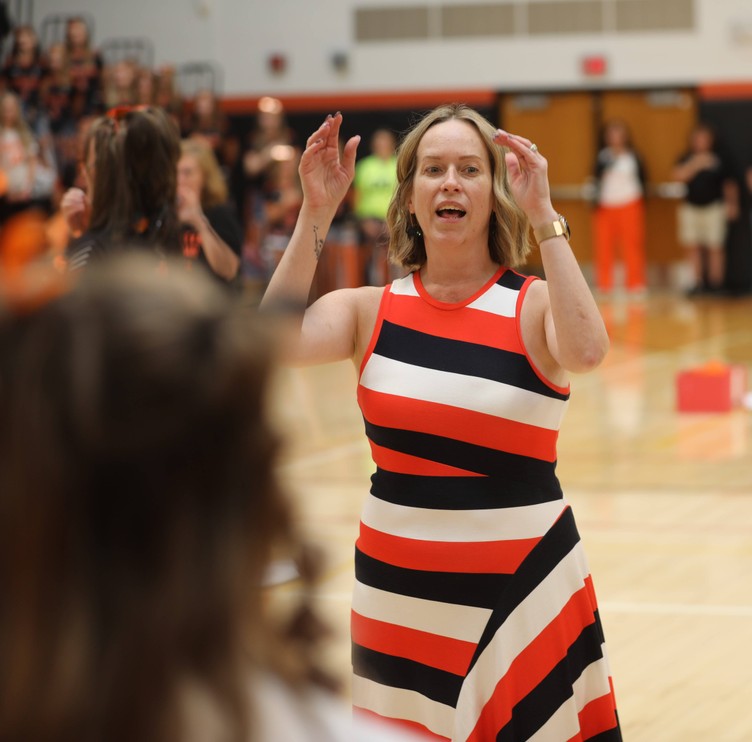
(135, 185)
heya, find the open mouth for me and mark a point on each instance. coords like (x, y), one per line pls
(450, 213)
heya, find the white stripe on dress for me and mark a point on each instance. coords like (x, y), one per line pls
(564, 723)
(523, 625)
(400, 703)
(404, 286)
(497, 300)
(461, 526)
(462, 622)
(472, 393)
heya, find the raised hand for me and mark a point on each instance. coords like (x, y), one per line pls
(189, 206)
(527, 173)
(325, 174)
(75, 208)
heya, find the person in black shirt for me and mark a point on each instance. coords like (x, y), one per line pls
(212, 233)
(711, 199)
(23, 72)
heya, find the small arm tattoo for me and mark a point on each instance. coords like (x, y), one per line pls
(318, 243)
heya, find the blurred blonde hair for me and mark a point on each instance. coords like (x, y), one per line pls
(214, 190)
(509, 241)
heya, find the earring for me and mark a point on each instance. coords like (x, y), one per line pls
(414, 230)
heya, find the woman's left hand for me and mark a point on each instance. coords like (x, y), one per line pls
(189, 207)
(527, 173)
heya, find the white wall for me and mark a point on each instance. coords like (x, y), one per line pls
(240, 35)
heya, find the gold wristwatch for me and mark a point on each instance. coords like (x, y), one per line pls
(559, 228)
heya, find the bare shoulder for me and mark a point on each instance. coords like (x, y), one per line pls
(368, 302)
(536, 300)
(368, 298)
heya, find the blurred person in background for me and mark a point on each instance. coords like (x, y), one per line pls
(619, 220)
(85, 206)
(56, 96)
(119, 83)
(167, 95)
(711, 201)
(270, 130)
(137, 186)
(131, 559)
(282, 198)
(206, 119)
(212, 235)
(24, 71)
(27, 169)
(85, 66)
(373, 186)
(146, 87)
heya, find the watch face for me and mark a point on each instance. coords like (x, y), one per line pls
(565, 224)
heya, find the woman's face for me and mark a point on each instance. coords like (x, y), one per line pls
(189, 173)
(702, 140)
(616, 136)
(10, 111)
(452, 194)
(78, 34)
(204, 103)
(26, 39)
(56, 57)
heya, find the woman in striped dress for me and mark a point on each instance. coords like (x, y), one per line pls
(474, 616)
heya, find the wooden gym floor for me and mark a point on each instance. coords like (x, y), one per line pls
(663, 501)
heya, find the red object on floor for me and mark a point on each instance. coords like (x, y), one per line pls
(714, 387)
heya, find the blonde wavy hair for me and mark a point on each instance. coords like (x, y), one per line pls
(214, 190)
(509, 241)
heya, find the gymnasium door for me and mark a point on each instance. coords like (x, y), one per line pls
(566, 127)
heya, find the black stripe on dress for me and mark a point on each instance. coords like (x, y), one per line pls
(459, 493)
(467, 456)
(560, 539)
(398, 672)
(532, 712)
(511, 280)
(477, 590)
(460, 357)
(610, 735)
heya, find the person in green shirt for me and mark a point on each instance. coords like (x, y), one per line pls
(374, 182)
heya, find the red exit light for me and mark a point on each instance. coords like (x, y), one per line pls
(595, 66)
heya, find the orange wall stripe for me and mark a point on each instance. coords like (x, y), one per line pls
(363, 101)
(726, 91)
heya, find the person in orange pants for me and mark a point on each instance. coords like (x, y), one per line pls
(620, 215)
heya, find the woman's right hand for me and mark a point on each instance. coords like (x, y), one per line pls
(74, 207)
(324, 174)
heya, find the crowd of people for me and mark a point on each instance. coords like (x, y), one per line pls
(51, 98)
(65, 150)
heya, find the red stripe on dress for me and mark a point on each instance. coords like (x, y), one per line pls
(475, 557)
(466, 325)
(534, 663)
(598, 716)
(404, 463)
(459, 423)
(441, 652)
(387, 722)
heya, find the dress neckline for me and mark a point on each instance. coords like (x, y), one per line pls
(447, 305)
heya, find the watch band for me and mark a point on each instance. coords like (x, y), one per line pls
(559, 228)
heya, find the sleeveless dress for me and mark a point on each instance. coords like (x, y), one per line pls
(474, 615)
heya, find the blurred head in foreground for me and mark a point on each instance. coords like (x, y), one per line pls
(138, 509)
